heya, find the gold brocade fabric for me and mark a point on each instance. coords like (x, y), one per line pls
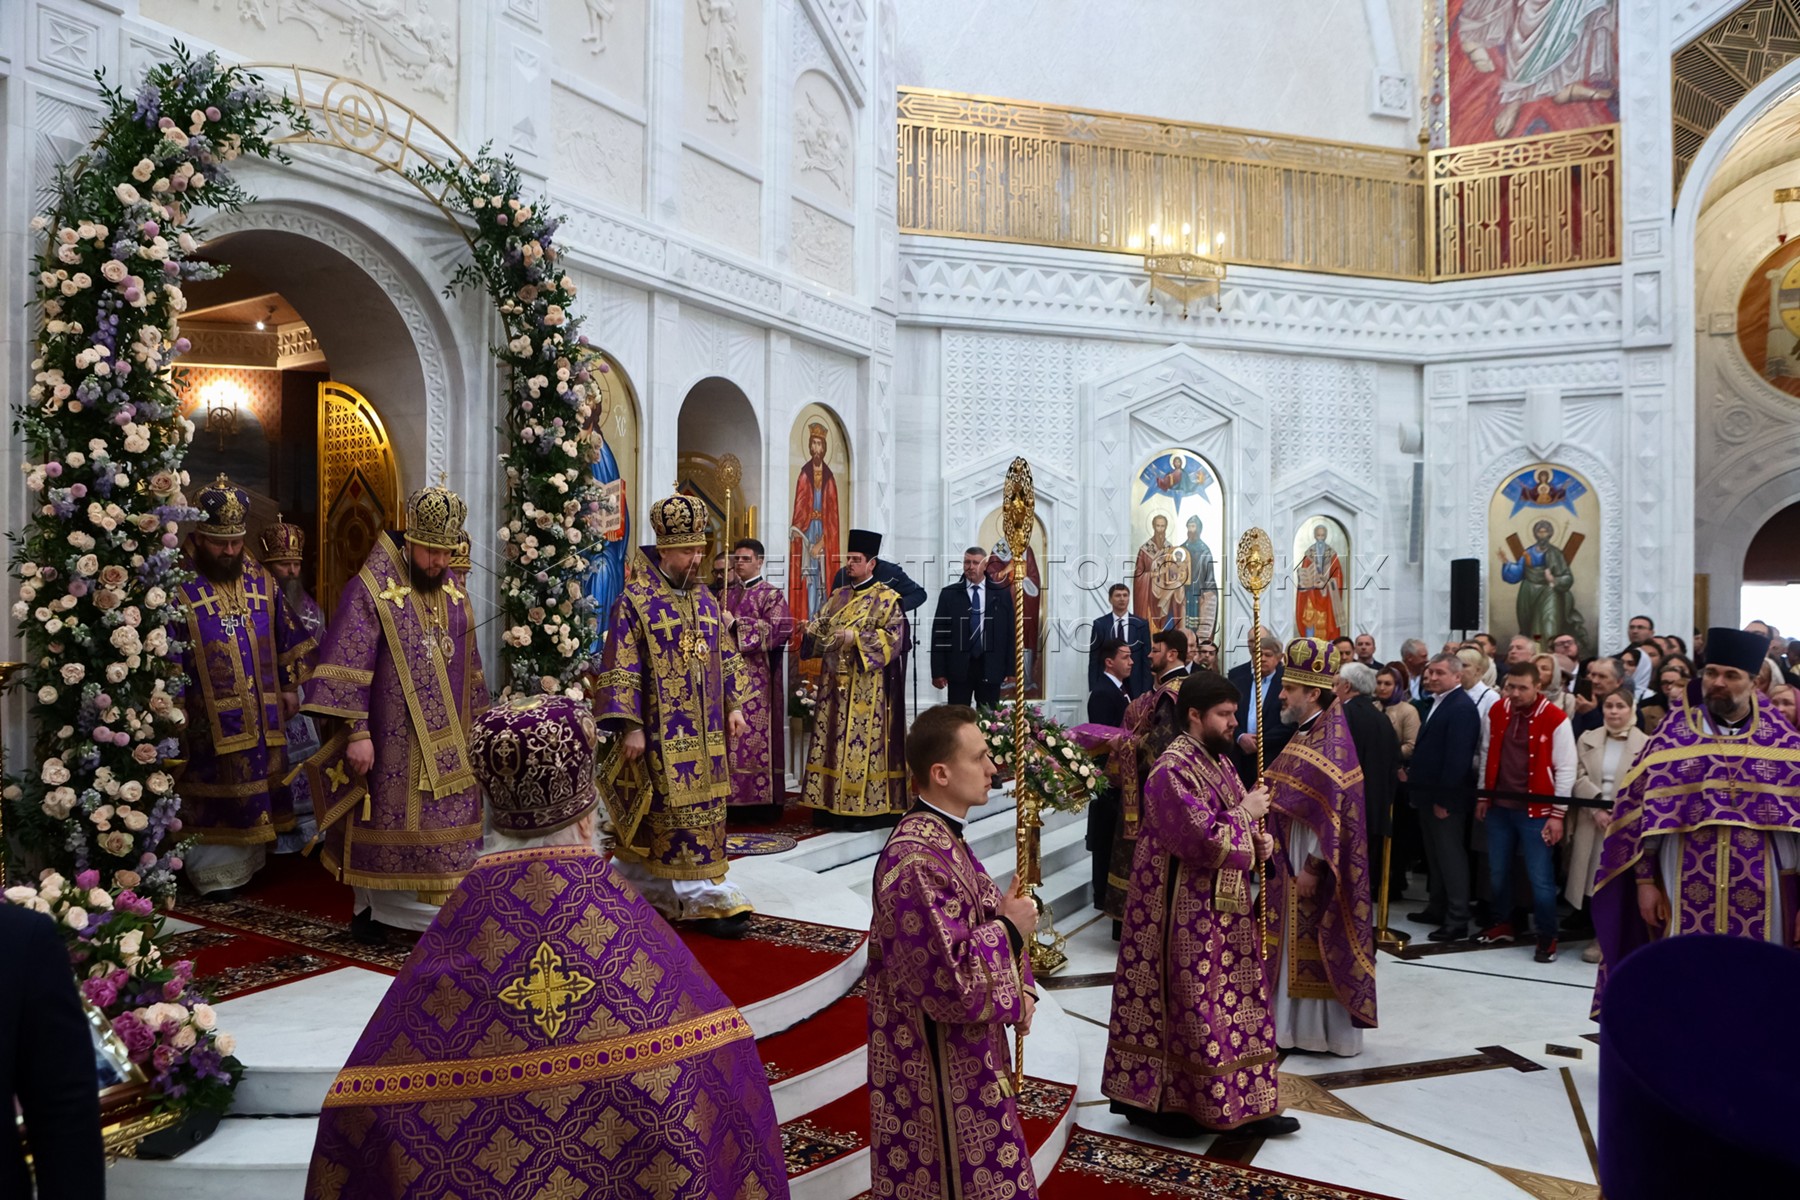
(855, 765)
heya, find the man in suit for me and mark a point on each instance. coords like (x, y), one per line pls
(1127, 627)
(47, 1066)
(1441, 781)
(972, 635)
(1413, 655)
(1106, 706)
(1275, 733)
(1377, 748)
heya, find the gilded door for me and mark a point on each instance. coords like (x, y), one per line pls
(359, 486)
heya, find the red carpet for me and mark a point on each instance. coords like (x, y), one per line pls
(1097, 1166)
(824, 1037)
(293, 920)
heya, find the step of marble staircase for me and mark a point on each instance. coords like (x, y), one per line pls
(992, 839)
(830, 851)
(292, 1039)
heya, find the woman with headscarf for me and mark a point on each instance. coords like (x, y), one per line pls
(1602, 757)
(1550, 682)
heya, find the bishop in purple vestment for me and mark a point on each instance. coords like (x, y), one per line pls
(1705, 830)
(240, 653)
(1191, 1044)
(399, 678)
(756, 613)
(550, 1036)
(947, 976)
(282, 551)
(673, 687)
(1320, 915)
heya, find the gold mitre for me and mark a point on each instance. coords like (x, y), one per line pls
(282, 542)
(435, 517)
(679, 522)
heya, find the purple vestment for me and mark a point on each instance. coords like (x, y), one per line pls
(293, 799)
(758, 760)
(1315, 782)
(1152, 723)
(1191, 1029)
(550, 1037)
(400, 667)
(856, 763)
(943, 985)
(242, 652)
(666, 671)
(1718, 808)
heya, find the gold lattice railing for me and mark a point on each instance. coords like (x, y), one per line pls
(1004, 170)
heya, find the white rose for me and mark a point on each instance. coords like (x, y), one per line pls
(46, 695)
(131, 943)
(72, 673)
(76, 917)
(226, 1043)
(185, 1037)
(205, 1017)
(116, 672)
(97, 898)
(131, 791)
(127, 194)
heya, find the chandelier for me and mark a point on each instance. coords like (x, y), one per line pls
(1184, 269)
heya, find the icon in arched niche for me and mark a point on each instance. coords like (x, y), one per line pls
(1321, 578)
(1177, 525)
(1544, 557)
(616, 472)
(820, 517)
(1768, 318)
(1033, 609)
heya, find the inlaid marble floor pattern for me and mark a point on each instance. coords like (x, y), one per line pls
(1458, 1093)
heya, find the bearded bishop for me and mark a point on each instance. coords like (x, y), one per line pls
(242, 655)
(398, 682)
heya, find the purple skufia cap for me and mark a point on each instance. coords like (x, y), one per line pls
(534, 757)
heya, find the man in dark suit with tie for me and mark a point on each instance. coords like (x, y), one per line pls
(46, 1066)
(1127, 627)
(1440, 780)
(972, 635)
(1275, 733)
(1106, 706)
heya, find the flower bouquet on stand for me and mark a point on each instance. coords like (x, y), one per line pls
(1056, 768)
(177, 1072)
(802, 712)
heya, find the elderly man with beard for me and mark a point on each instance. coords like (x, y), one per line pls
(1705, 829)
(240, 652)
(398, 682)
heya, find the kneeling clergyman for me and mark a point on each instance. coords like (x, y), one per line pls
(1191, 1045)
(947, 975)
(1321, 919)
(551, 1035)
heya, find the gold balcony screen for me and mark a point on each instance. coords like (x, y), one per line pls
(1005, 170)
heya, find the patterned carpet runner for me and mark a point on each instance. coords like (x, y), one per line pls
(1098, 1166)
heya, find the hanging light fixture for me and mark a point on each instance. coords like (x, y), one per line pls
(1184, 268)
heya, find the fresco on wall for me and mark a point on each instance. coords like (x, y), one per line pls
(819, 520)
(1518, 68)
(1544, 556)
(1034, 610)
(616, 472)
(1768, 318)
(1177, 525)
(1321, 578)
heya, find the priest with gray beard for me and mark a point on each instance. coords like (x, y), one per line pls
(282, 549)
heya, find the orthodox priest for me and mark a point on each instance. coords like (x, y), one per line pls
(855, 775)
(241, 654)
(673, 688)
(1152, 722)
(398, 682)
(281, 547)
(1705, 830)
(1320, 916)
(549, 1026)
(947, 974)
(756, 618)
(1191, 1043)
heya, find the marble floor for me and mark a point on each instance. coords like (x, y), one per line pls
(1478, 1084)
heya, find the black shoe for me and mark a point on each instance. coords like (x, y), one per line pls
(222, 895)
(1449, 933)
(1269, 1127)
(367, 930)
(1118, 930)
(823, 818)
(730, 928)
(1546, 950)
(1169, 1124)
(1425, 917)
